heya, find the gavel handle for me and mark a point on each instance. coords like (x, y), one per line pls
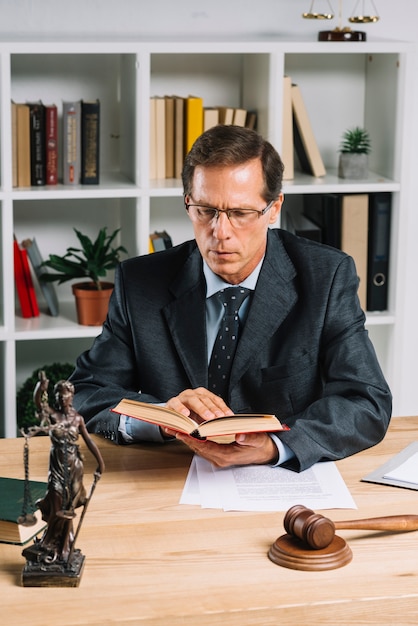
(391, 522)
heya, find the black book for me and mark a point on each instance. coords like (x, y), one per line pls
(378, 251)
(37, 144)
(90, 142)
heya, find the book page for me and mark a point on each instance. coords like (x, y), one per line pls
(263, 488)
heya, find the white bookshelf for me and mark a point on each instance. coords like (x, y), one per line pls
(342, 84)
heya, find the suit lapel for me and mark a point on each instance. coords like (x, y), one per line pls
(186, 319)
(272, 301)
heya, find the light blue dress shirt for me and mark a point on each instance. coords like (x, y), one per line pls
(133, 430)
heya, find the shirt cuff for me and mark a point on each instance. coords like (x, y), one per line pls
(136, 430)
(285, 453)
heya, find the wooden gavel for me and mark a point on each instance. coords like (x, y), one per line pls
(318, 531)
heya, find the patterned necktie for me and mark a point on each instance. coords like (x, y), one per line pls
(226, 341)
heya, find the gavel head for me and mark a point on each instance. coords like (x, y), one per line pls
(313, 529)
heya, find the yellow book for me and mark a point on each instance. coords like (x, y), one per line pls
(194, 120)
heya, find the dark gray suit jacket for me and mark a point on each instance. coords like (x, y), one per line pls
(303, 355)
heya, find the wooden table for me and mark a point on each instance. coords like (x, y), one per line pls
(152, 561)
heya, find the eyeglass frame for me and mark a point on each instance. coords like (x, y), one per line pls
(227, 211)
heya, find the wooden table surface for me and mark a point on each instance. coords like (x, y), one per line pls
(150, 560)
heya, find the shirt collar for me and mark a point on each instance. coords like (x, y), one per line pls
(214, 283)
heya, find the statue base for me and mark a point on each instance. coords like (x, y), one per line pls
(292, 553)
(55, 574)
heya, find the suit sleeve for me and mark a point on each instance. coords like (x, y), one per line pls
(108, 371)
(354, 409)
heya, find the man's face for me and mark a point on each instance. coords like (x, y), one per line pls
(232, 253)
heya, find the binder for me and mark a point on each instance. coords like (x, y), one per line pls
(325, 211)
(378, 253)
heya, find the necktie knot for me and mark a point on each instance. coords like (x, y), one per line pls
(232, 298)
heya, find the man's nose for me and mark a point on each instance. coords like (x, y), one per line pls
(221, 226)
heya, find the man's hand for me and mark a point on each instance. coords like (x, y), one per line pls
(200, 403)
(249, 449)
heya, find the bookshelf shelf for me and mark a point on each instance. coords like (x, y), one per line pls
(366, 84)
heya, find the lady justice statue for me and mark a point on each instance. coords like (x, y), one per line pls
(52, 559)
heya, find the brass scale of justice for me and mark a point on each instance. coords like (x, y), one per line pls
(364, 12)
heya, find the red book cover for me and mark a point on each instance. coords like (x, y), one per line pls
(51, 144)
(29, 283)
(21, 286)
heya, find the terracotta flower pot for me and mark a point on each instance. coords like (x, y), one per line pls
(92, 304)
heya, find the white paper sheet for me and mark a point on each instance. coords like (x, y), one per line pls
(263, 488)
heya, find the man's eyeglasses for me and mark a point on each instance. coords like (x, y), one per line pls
(239, 218)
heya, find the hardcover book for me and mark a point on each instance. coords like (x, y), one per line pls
(48, 289)
(228, 425)
(305, 143)
(24, 284)
(37, 144)
(90, 142)
(51, 144)
(71, 118)
(11, 507)
(23, 145)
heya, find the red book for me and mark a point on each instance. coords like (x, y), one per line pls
(24, 284)
(51, 144)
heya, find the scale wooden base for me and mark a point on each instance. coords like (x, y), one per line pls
(292, 553)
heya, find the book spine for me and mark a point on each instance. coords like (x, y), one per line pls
(194, 120)
(51, 144)
(287, 153)
(304, 139)
(71, 142)
(37, 143)
(23, 145)
(14, 143)
(48, 289)
(21, 282)
(169, 137)
(29, 283)
(378, 251)
(90, 142)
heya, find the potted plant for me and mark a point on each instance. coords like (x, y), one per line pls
(354, 151)
(92, 261)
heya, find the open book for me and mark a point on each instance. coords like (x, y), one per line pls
(218, 426)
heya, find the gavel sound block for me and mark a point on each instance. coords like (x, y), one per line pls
(311, 542)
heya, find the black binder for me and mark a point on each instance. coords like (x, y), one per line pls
(378, 251)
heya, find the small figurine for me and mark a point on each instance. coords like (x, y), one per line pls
(52, 560)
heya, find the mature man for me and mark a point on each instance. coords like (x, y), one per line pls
(302, 353)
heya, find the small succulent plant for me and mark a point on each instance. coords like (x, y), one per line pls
(355, 141)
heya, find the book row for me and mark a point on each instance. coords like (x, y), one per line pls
(176, 122)
(358, 224)
(36, 145)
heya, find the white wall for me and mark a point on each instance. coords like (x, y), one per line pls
(34, 19)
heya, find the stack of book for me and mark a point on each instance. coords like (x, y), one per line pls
(35, 143)
(28, 300)
(176, 122)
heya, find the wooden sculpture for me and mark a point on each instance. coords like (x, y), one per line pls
(311, 542)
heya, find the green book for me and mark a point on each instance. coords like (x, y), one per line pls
(11, 507)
